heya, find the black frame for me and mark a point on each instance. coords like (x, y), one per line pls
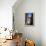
(29, 18)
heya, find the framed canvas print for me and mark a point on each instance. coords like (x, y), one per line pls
(29, 18)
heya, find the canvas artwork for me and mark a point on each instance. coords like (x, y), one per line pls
(29, 18)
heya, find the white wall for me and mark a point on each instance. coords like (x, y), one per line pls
(30, 32)
(43, 22)
(6, 13)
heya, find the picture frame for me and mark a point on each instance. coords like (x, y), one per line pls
(29, 19)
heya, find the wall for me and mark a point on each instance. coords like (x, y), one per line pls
(43, 22)
(29, 32)
(6, 13)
